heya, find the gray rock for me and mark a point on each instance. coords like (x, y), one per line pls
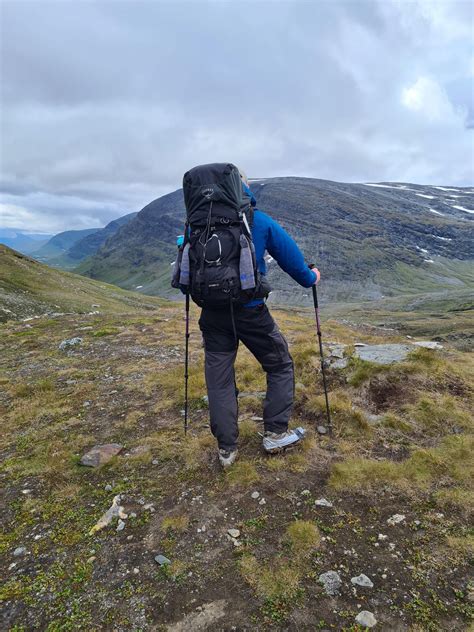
(322, 430)
(69, 343)
(108, 488)
(339, 364)
(362, 580)
(257, 419)
(322, 502)
(162, 560)
(331, 582)
(20, 550)
(336, 351)
(101, 454)
(120, 525)
(255, 495)
(383, 354)
(395, 519)
(234, 533)
(428, 344)
(366, 619)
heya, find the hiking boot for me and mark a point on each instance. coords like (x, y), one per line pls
(276, 442)
(227, 457)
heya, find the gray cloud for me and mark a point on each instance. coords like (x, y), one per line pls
(106, 104)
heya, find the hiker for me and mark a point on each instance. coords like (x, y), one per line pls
(210, 193)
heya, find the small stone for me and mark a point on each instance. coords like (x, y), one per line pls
(136, 571)
(155, 462)
(359, 344)
(69, 343)
(162, 560)
(26, 491)
(101, 454)
(305, 492)
(395, 519)
(331, 581)
(382, 537)
(20, 550)
(366, 619)
(362, 580)
(91, 559)
(322, 502)
(234, 533)
(384, 576)
(255, 495)
(262, 501)
(108, 488)
(257, 419)
(322, 430)
(120, 525)
(236, 542)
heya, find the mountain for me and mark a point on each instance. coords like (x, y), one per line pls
(65, 250)
(91, 243)
(29, 288)
(59, 244)
(23, 242)
(139, 254)
(369, 240)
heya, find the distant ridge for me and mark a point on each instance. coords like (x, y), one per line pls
(370, 240)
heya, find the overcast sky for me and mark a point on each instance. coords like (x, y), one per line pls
(105, 104)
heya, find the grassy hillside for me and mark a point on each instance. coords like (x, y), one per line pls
(29, 288)
(403, 445)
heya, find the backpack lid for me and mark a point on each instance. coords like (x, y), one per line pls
(218, 183)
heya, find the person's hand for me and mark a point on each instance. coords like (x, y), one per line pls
(317, 273)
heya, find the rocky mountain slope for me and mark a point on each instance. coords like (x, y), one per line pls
(370, 240)
(30, 289)
(90, 244)
(369, 527)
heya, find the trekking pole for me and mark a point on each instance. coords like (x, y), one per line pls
(323, 370)
(186, 364)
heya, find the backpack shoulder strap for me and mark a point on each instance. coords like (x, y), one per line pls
(247, 220)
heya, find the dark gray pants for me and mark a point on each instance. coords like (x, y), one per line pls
(255, 327)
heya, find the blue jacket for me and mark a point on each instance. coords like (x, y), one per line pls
(268, 235)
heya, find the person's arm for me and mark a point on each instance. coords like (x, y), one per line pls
(288, 256)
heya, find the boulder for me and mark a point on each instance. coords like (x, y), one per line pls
(101, 454)
(383, 354)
